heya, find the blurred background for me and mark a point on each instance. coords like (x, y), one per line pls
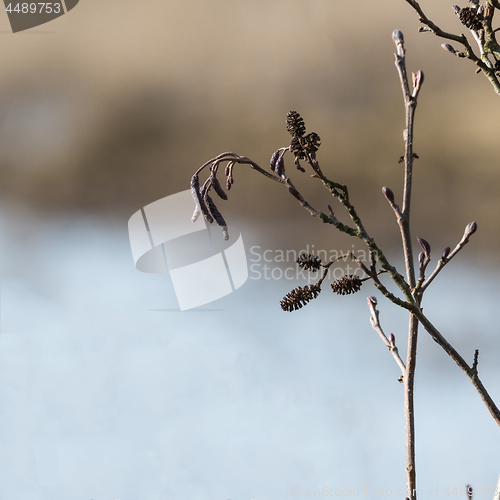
(114, 106)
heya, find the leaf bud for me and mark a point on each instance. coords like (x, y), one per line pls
(388, 194)
(449, 48)
(392, 339)
(470, 229)
(425, 246)
(397, 37)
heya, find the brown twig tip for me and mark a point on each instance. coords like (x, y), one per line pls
(372, 301)
(397, 37)
(446, 252)
(426, 247)
(347, 284)
(308, 261)
(299, 297)
(388, 194)
(456, 9)
(470, 229)
(476, 360)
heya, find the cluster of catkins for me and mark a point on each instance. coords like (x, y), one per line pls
(301, 296)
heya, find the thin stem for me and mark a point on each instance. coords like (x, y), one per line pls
(410, 101)
(409, 384)
(375, 322)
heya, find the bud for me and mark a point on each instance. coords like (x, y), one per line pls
(425, 246)
(392, 339)
(372, 301)
(397, 37)
(274, 159)
(449, 48)
(457, 9)
(421, 258)
(388, 194)
(446, 252)
(470, 229)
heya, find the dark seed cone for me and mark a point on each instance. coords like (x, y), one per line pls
(312, 142)
(307, 262)
(218, 188)
(470, 19)
(299, 297)
(346, 285)
(295, 124)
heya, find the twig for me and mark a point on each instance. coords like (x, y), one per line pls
(475, 362)
(470, 229)
(391, 345)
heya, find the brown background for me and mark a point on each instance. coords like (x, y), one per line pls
(114, 105)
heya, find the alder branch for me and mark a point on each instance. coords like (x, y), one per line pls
(483, 64)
